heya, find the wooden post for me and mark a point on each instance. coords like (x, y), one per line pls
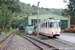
(38, 18)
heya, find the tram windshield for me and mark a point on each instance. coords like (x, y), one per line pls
(54, 24)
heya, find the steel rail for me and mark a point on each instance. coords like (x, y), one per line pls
(5, 48)
(1, 46)
(4, 38)
(32, 42)
(38, 41)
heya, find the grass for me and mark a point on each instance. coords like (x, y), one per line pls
(22, 33)
(18, 38)
(6, 34)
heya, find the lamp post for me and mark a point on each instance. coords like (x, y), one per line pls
(38, 18)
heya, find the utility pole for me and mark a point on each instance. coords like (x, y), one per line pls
(38, 18)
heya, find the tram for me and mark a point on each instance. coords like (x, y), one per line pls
(49, 27)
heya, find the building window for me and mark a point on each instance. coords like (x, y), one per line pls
(63, 24)
(34, 21)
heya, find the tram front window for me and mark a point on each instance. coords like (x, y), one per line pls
(54, 24)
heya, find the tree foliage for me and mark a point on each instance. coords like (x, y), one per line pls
(13, 5)
(70, 11)
(5, 15)
(7, 8)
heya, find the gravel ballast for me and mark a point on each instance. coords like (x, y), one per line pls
(19, 43)
(4, 43)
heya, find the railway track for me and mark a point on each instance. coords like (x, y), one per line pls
(4, 39)
(2, 47)
(38, 43)
(58, 43)
(61, 44)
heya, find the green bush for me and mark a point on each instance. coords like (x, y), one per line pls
(0, 28)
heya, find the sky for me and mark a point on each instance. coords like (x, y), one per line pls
(47, 3)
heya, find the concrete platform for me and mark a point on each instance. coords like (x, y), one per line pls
(68, 34)
(67, 37)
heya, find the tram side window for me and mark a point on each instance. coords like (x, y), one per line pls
(51, 24)
(43, 25)
(46, 24)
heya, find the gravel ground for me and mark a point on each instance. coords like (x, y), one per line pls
(57, 44)
(19, 43)
(6, 41)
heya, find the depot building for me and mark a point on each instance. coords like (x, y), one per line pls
(32, 20)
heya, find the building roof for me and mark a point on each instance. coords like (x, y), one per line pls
(46, 16)
(43, 17)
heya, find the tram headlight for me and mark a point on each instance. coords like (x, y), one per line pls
(55, 18)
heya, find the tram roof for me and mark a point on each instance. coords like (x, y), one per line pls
(47, 20)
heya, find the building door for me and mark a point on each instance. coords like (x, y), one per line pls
(63, 24)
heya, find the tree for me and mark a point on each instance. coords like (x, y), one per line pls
(5, 16)
(71, 11)
(33, 6)
(28, 4)
(14, 5)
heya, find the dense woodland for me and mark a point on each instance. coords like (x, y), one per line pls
(14, 12)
